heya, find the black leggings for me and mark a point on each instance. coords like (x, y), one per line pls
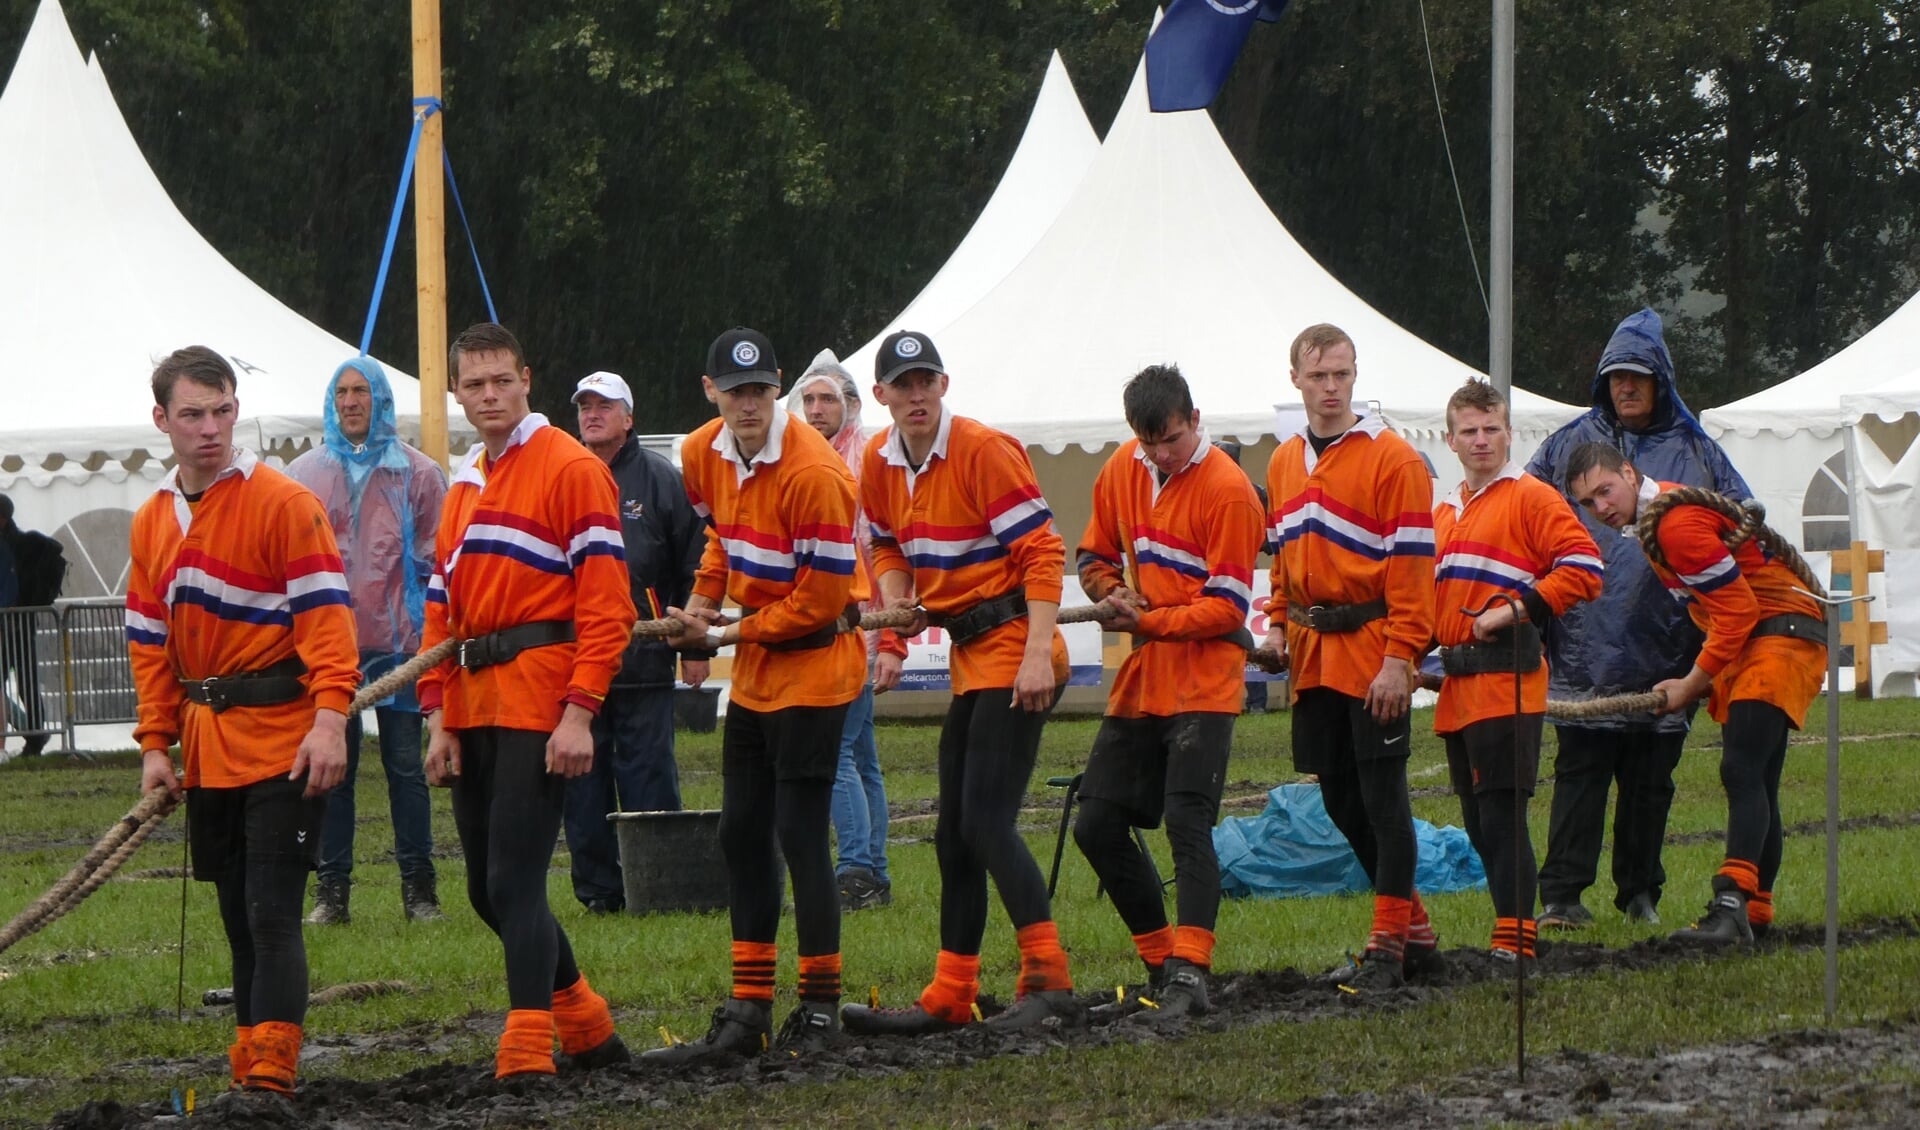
(508, 808)
(261, 885)
(987, 751)
(1503, 847)
(1104, 831)
(777, 787)
(1753, 753)
(1368, 802)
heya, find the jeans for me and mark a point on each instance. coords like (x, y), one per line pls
(633, 771)
(860, 794)
(407, 801)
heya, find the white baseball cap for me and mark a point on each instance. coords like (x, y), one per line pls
(610, 385)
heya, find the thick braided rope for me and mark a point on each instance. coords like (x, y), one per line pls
(141, 819)
(1748, 524)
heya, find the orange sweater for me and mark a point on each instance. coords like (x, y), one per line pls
(533, 535)
(245, 578)
(1727, 593)
(780, 540)
(968, 526)
(1515, 535)
(1194, 541)
(1347, 527)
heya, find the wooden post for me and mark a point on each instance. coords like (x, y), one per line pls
(1861, 631)
(430, 243)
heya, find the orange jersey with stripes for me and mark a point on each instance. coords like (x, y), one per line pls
(245, 578)
(1727, 592)
(1192, 543)
(780, 540)
(1348, 526)
(530, 536)
(1515, 535)
(969, 525)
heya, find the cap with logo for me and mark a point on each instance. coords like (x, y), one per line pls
(742, 356)
(610, 385)
(902, 352)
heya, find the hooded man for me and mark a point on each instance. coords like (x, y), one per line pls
(827, 399)
(1623, 641)
(383, 499)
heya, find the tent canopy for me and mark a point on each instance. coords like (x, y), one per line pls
(103, 276)
(1166, 253)
(1811, 401)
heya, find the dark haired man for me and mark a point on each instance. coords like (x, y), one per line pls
(529, 576)
(1180, 517)
(1760, 669)
(240, 632)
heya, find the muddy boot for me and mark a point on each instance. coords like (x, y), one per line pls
(1724, 924)
(1424, 964)
(1378, 971)
(1564, 916)
(419, 899)
(1183, 992)
(1127, 1001)
(610, 1052)
(814, 1026)
(1640, 909)
(330, 902)
(739, 1028)
(585, 1026)
(913, 1020)
(1038, 1007)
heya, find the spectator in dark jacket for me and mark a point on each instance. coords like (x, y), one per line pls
(1629, 638)
(633, 767)
(32, 570)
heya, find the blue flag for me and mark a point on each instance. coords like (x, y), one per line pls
(1192, 51)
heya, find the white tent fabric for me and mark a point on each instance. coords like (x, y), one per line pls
(1167, 254)
(1782, 438)
(103, 275)
(1886, 462)
(1052, 157)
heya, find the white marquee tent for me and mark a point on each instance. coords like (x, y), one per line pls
(102, 276)
(1167, 253)
(1053, 155)
(1789, 440)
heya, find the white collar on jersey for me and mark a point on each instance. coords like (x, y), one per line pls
(1458, 499)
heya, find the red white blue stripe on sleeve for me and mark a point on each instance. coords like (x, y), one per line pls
(829, 549)
(1716, 575)
(146, 623)
(1230, 583)
(1017, 513)
(595, 535)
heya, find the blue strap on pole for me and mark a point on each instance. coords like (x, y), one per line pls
(454, 189)
(423, 108)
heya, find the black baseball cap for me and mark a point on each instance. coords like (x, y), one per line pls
(741, 357)
(902, 352)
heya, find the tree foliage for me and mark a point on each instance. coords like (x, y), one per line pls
(641, 176)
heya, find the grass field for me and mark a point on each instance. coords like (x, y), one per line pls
(87, 1006)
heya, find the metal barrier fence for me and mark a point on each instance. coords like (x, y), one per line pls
(65, 666)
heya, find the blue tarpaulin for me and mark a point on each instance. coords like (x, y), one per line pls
(1292, 849)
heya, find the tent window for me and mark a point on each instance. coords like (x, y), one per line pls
(1824, 524)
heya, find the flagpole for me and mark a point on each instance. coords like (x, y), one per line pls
(430, 244)
(1500, 312)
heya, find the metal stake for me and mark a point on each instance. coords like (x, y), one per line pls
(1833, 605)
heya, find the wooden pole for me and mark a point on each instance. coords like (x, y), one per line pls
(430, 243)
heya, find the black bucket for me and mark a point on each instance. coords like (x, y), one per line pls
(671, 861)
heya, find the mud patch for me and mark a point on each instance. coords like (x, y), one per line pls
(466, 1094)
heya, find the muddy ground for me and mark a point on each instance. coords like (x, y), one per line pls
(1785, 1081)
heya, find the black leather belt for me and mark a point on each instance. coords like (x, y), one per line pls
(1337, 618)
(1799, 625)
(1495, 655)
(981, 618)
(269, 686)
(501, 646)
(820, 637)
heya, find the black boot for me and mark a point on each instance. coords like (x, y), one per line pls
(1127, 1001)
(419, 899)
(1036, 1008)
(608, 1053)
(35, 744)
(913, 1020)
(1378, 971)
(813, 1026)
(1725, 922)
(1183, 992)
(740, 1028)
(330, 902)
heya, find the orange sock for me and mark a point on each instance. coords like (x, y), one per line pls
(1390, 917)
(275, 1061)
(582, 1016)
(820, 978)
(956, 984)
(1191, 943)
(240, 1053)
(526, 1047)
(1155, 946)
(1515, 935)
(753, 971)
(1745, 875)
(1043, 964)
(1760, 908)
(1419, 927)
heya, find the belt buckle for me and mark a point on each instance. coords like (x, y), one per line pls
(1314, 612)
(460, 653)
(216, 691)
